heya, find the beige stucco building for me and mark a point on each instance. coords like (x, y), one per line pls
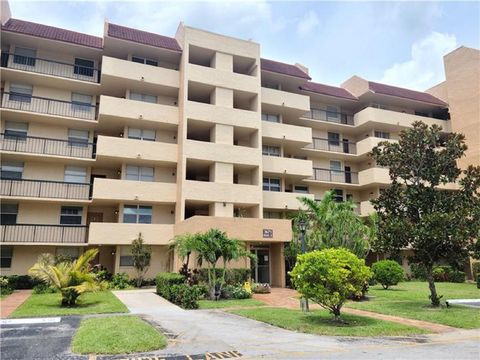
(134, 132)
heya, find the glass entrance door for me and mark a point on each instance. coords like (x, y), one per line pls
(261, 269)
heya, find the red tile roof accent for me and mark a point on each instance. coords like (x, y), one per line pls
(143, 37)
(405, 93)
(328, 90)
(52, 33)
(282, 68)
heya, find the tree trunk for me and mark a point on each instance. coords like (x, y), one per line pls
(435, 299)
(336, 313)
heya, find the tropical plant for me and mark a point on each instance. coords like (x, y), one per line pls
(436, 224)
(141, 255)
(70, 278)
(329, 277)
(387, 273)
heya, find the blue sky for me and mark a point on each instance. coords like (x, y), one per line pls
(399, 43)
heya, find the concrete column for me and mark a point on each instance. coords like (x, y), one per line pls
(222, 134)
(221, 61)
(277, 258)
(221, 173)
(221, 209)
(222, 97)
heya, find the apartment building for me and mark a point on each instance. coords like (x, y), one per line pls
(135, 132)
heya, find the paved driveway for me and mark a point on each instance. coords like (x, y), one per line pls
(201, 331)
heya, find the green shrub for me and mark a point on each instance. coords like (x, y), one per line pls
(478, 280)
(5, 287)
(329, 277)
(232, 276)
(165, 281)
(22, 282)
(235, 292)
(43, 289)
(261, 288)
(441, 273)
(457, 276)
(418, 272)
(387, 273)
(476, 270)
(185, 296)
(120, 281)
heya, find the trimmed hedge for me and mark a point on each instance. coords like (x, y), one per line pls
(387, 273)
(232, 276)
(441, 273)
(22, 282)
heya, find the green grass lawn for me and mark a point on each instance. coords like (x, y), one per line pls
(116, 335)
(209, 304)
(410, 300)
(321, 322)
(88, 303)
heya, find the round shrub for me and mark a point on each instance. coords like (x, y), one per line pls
(329, 277)
(387, 273)
(43, 289)
(120, 281)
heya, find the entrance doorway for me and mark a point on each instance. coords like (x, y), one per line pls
(261, 268)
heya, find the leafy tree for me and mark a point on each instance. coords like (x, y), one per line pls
(329, 277)
(387, 273)
(71, 278)
(141, 255)
(414, 213)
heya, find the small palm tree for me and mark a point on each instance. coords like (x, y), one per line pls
(71, 278)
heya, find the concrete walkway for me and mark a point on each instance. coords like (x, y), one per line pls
(202, 331)
(9, 304)
(288, 298)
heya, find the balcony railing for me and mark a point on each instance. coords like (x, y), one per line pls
(34, 233)
(17, 101)
(330, 116)
(333, 145)
(50, 67)
(44, 189)
(46, 146)
(337, 176)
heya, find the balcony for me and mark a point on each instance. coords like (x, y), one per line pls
(43, 234)
(298, 135)
(115, 111)
(245, 229)
(335, 176)
(283, 200)
(122, 234)
(45, 146)
(121, 74)
(221, 192)
(343, 147)
(128, 190)
(201, 150)
(393, 119)
(329, 116)
(50, 67)
(44, 189)
(287, 166)
(374, 176)
(41, 105)
(120, 149)
(285, 102)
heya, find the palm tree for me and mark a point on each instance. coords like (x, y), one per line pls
(184, 245)
(71, 278)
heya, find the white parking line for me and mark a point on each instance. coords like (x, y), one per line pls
(30, 321)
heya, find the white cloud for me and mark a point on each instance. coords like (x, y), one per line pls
(425, 67)
(308, 23)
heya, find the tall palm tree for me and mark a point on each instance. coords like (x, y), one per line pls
(71, 278)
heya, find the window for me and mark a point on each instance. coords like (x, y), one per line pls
(78, 137)
(20, 92)
(75, 174)
(16, 130)
(300, 189)
(272, 215)
(271, 150)
(68, 252)
(349, 197)
(24, 56)
(71, 215)
(271, 184)
(140, 134)
(9, 214)
(271, 86)
(126, 258)
(83, 67)
(137, 214)
(333, 139)
(332, 113)
(142, 60)
(11, 170)
(143, 97)
(421, 113)
(382, 134)
(379, 106)
(6, 255)
(81, 102)
(270, 117)
(140, 173)
(335, 165)
(338, 195)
